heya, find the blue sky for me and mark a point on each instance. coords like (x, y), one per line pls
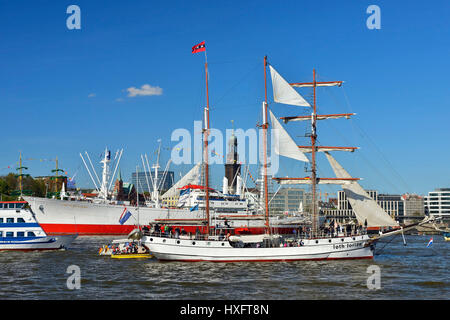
(65, 91)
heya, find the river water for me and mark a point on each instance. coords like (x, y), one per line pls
(405, 272)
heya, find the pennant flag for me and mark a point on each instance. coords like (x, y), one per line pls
(195, 207)
(430, 243)
(199, 47)
(124, 216)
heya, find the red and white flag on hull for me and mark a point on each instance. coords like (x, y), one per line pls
(199, 47)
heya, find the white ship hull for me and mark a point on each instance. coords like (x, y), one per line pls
(87, 218)
(357, 247)
(44, 243)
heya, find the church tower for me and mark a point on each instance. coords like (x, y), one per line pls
(232, 165)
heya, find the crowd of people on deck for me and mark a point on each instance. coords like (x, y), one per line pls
(127, 248)
(334, 229)
(330, 229)
(168, 231)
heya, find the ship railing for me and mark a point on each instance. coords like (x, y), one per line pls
(174, 235)
(299, 236)
(328, 235)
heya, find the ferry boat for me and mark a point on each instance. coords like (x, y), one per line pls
(19, 230)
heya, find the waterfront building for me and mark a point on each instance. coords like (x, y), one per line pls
(289, 200)
(170, 202)
(399, 207)
(414, 209)
(165, 180)
(344, 211)
(393, 205)
(437, 203)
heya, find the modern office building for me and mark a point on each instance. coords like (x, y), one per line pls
(289, 200)
(437, 203)
(144, 183)
(414, 209)
(394, 205)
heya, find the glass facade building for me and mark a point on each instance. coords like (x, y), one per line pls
(140, 181)
(288, 200)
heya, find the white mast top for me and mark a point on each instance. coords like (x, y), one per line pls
(155, 191)
(105, 175)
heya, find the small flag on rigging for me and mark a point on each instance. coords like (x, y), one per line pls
(199, 47)
(430, 243)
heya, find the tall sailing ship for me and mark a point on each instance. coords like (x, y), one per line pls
(269, 246)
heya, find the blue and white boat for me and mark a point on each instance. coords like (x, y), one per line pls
(19, 230)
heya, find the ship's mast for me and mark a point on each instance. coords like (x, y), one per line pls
(313, 180)
(155, 180)
(265, 125)
(105, 174)
(314, 148)
(313, 156)
(205, 157)
(20, 175)
(56, 174)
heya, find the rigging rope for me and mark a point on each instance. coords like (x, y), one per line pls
(360, 153)
(379, 251)
(376, 147)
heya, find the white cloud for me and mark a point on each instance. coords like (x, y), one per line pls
(145, 90)
(91, 95)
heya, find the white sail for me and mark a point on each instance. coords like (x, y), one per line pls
(284, 145)
(365, 208)
(283, 91)
(189, 178)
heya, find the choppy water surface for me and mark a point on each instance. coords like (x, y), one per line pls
(411, 272)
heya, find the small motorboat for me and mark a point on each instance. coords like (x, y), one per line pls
(446, 236)
(128, 248)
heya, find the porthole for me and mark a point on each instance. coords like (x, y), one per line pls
(151, 239)
(342, 239)
(178, 241)
(164, 240)
(223, 244)
(317, 241)
(329, 240)
(354, 238)
(193, 243)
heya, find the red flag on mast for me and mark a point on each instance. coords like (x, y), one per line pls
(199, 47)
